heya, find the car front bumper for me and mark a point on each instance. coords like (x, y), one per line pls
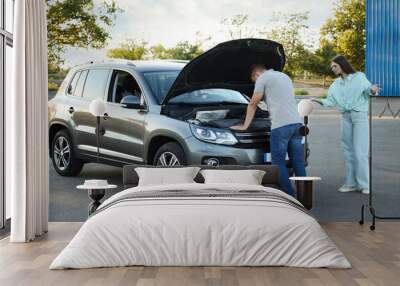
(199, 152)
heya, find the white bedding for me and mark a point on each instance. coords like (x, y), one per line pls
(183, 231)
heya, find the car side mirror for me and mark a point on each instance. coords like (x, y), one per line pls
(132, 102)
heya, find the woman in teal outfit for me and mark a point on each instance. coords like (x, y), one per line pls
(349, 93)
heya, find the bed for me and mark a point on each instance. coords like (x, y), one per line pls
(201, 224)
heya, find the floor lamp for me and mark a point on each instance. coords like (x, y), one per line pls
(98, 108)
(305, 107)
(370, 206)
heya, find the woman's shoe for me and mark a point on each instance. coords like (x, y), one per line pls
(346, 189)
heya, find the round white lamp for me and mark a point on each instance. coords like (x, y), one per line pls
(305, 107)
(98, 108)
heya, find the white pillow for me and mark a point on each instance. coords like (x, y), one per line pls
(248, 177)
(166, 176)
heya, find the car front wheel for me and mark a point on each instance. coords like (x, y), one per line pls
(62, 153)
(170, 154)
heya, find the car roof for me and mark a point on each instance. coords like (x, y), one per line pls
(139, 65)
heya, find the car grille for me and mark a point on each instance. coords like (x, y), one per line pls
(252, 139)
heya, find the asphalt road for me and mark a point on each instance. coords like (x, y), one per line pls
(69, 204)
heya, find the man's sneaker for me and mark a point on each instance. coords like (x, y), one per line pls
(346, 189)
(365, 191)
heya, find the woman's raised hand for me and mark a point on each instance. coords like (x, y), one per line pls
(375, 89)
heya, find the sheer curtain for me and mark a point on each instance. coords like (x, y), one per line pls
(26, 124)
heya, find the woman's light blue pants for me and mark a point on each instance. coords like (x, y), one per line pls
(355, 144)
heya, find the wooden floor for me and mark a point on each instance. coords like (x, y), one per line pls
(375, 257)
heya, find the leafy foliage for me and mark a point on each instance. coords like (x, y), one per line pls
(346, 31)
(137, 51)
(77, 23)
(319, 62)
(182, 51)
(288, 33)
(130, 50)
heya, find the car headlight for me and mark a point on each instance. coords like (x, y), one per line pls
(212, 135)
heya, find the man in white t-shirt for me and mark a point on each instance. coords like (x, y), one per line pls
(276, 88)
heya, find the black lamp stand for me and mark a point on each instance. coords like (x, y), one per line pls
(304, 131)
(370, 206)
(100, 131)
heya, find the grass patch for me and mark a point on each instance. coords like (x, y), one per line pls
(316, 82)
(300, 91)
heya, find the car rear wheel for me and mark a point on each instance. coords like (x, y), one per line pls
(63, 158)
(170, 154)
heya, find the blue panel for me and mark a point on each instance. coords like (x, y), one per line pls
(383, 45)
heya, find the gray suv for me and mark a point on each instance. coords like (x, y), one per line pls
(163, 112)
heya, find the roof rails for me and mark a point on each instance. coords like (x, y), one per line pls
(131, 62)
(117, 60)
(123, 61)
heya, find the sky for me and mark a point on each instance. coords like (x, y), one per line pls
(168, 22)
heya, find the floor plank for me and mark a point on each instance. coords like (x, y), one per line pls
(375, 257)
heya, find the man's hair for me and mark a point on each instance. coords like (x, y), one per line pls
(254, 67)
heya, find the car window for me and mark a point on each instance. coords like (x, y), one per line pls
(80, 84)
(123, 84)
(160, 82)
(210, 96)
(95, 83)
(72, 85)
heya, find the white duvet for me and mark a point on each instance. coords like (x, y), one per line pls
(203, 231)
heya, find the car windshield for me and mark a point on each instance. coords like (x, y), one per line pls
(209, 96)
(160, 82)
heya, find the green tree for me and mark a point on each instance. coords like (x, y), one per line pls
(182, 51)
(133, 50)
(159, 52)
(319, 63)
(77, 23)
(346, 31)
(185, 51)
(130, 50)
(288, 33)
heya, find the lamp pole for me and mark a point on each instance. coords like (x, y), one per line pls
(305, 137)
(98, 137)
(98, 108)
(305, 107)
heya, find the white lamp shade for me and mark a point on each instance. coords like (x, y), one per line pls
(305, 107)
(97, 107)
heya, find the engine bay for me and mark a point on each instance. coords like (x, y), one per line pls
(221, 116)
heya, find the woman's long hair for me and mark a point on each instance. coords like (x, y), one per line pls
(344, 64)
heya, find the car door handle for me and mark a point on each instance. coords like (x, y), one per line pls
(106, 116)
(71, 110)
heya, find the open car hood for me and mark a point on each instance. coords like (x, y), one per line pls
(227, 65)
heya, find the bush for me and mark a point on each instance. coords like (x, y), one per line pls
(52, 86)
(299, 91)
